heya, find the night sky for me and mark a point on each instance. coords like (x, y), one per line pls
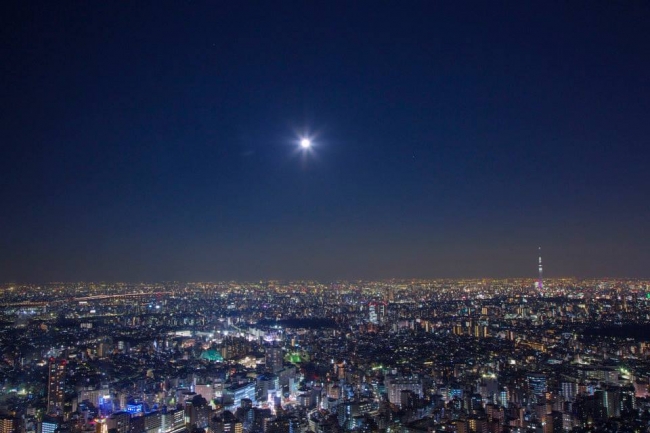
(150, 141)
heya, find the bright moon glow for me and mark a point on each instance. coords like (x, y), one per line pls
(305, 143)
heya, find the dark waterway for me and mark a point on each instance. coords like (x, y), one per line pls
(639, 332)
(299, 323)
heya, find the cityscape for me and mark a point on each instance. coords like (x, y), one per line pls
(325, 216)
(364, 356)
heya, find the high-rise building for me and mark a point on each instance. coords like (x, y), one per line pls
(120, 422)
(153, 422)
(205, 389)
(49, 424)
(569, 391)
(267, 387)
(237, 393)
(398, 384)
(283, 425)
(537, 384)
(197, 412)
(55, 386)
(348, 413)
(227, 423)
(376, 312)
(274, 359)
(610, 401)
(172, 420)
(9, 425)
(503, 397)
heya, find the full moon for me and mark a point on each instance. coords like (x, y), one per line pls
(305, 143)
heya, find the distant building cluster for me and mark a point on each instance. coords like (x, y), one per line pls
(459, 356)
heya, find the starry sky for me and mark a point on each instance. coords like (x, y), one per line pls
(150, 141)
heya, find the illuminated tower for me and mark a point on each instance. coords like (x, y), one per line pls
(540, 285)
(372, 313)
(55, 384)
(377, 312)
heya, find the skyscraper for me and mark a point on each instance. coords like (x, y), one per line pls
(396, 385)
(55, 391)
(274, 359)
(569, 390)
(537, 383)
(9, 425)
(376, 312)
(48, 424)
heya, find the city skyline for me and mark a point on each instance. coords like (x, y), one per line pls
(324, 141)
(376, 357)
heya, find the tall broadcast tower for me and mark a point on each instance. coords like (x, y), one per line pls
(540, 285)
